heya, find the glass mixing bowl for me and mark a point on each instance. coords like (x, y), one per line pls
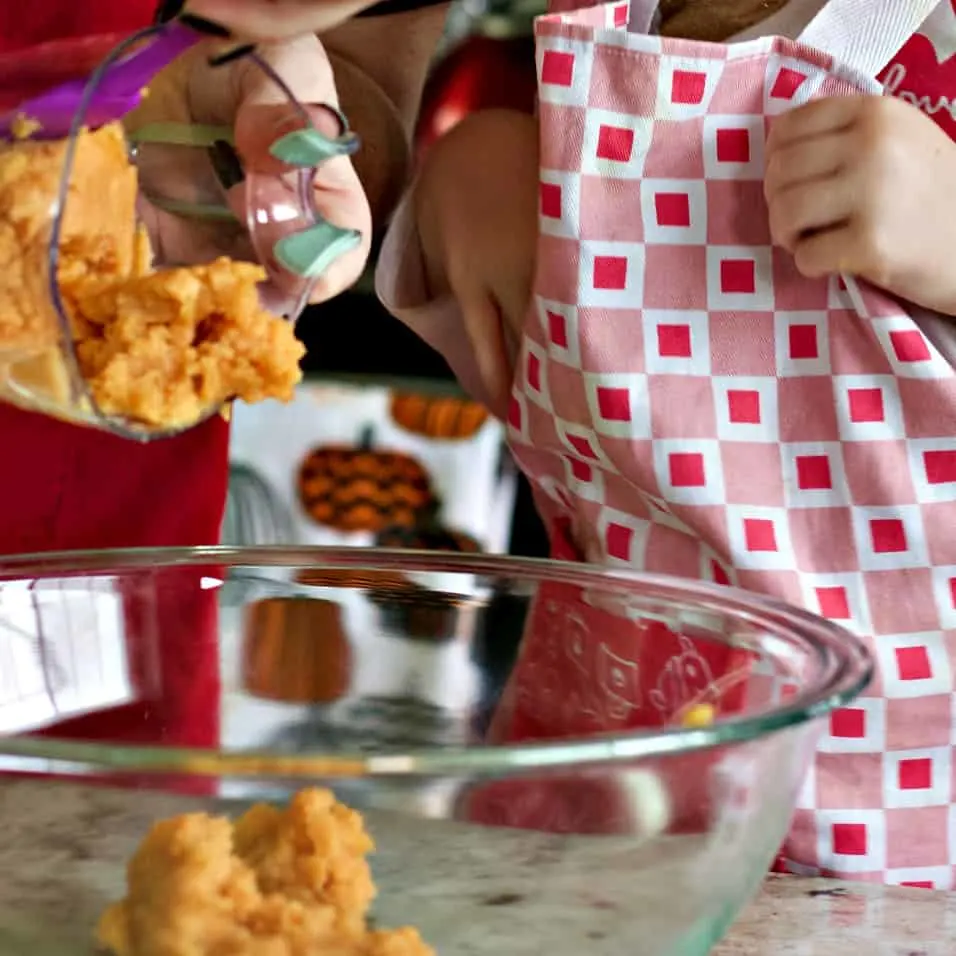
(552, 758)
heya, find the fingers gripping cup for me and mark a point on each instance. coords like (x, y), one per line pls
(155, 261)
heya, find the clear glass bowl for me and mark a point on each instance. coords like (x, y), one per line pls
(552, 758)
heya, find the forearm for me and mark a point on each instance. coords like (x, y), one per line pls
(380, 65)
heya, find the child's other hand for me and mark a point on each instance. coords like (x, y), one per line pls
(866, 186)
(476, 205)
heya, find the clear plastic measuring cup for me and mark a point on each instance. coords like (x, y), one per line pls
(93, 220)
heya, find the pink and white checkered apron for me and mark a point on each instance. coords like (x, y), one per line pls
(686, 403)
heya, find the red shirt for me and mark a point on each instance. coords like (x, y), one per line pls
(27, 25)
(66, 487)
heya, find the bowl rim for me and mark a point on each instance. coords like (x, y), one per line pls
(847, 668)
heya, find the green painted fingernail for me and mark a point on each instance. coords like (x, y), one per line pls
(308, 147)
(310, 252)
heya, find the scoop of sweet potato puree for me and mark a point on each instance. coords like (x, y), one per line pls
(291, 882)
(161, 347)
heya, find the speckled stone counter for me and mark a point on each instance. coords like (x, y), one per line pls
(63, 849)
(794, 917)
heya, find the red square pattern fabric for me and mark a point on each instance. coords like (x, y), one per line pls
(723, 418)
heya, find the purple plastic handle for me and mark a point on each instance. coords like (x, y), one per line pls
(118, 91)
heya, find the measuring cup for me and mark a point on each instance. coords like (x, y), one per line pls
(252, 207)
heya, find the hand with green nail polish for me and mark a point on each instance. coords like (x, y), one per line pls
(219, 148)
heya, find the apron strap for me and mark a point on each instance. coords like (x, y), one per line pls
(862, 34)
(866, 34)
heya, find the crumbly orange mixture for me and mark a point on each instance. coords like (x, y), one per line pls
(291, 882)
(99, 236)
(161, 347)
(23, 126)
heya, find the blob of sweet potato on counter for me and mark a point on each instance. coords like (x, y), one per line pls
(291, 882)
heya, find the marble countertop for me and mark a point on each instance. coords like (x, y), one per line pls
(797, 917)
(63, 850)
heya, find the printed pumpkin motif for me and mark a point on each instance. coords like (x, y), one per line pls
(295, 650)
(445, 418)
(351, 488)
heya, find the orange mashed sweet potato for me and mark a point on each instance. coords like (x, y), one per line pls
(159, 347)
(291, 882)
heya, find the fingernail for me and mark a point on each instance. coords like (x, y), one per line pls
(340, 117)
(306, 148)
(310, 252)
(237, 53)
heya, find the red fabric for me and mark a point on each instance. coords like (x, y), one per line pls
(24, 25)
(25, 73)
(75, 488)
(65, 487)
(577, 677)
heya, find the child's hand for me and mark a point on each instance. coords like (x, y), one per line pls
(866, 186)
(240, 96)
(476, 204)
